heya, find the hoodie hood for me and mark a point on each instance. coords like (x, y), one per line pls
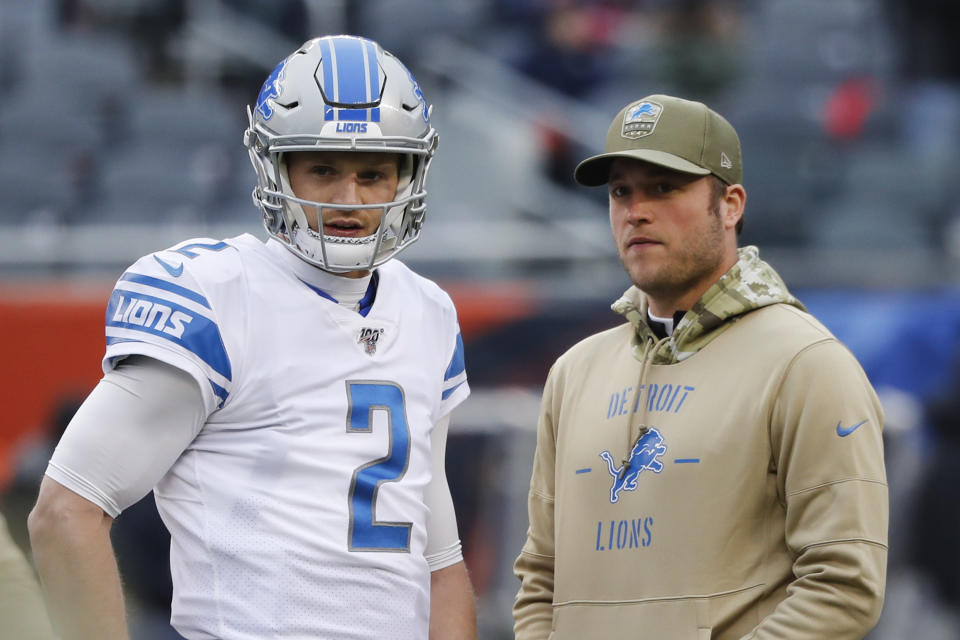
(750, 284)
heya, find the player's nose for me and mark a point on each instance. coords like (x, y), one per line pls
(638, 210)
(346, 191)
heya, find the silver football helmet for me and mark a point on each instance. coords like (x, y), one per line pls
(340, 93)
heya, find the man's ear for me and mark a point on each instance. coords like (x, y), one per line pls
(732, 205)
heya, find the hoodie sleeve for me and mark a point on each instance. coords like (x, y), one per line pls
(828, 455)
(533, 609)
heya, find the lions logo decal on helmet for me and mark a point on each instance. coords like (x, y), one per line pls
(419, 93)
(270, 91)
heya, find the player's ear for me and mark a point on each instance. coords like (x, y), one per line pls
(732, 204)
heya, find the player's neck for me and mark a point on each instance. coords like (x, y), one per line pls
(346, 291)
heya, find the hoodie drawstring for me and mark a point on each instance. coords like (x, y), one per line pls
(637, 422)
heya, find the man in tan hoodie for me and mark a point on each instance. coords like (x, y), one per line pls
(713, 467)
(23, 615)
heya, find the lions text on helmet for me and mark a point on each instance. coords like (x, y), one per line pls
(370, 104)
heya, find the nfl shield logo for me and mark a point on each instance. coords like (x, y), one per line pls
(368, 338)
(640, 119)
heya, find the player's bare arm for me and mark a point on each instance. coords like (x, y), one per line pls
(453, 609)
(112, 467)
(71, 547)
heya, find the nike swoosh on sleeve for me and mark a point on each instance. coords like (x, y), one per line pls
(174, 271)
(843, 432)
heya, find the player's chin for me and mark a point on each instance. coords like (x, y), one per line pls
(646, 277)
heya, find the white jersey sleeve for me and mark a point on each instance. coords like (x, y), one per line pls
(170, 305)
(128, 433)
(455, 387)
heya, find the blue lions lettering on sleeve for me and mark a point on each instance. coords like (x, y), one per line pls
(152, 310)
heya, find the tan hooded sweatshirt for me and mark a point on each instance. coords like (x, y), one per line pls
(726, 482)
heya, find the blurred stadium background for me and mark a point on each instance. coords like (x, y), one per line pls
(120, 134)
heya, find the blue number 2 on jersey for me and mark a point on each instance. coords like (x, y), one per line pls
(366, 533)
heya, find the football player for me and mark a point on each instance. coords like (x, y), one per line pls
(287, 401)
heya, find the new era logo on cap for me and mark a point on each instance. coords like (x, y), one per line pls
(725, 161)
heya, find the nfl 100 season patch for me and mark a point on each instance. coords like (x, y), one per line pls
(368, 337)
(641, 119)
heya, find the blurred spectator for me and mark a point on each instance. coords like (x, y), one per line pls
(142, 546)
(936, 521)
(153, 25)
(699, 48)
(28, 465)
(928, 104)
(848, 108)
(22, 611)
(569, 48)
(71, 15)
(113, 120)
(288, 17)
(930, 69)
(83, 173)
(148, 25)
(470, 458)
(141, 541)
(560, 154)
(213, 172)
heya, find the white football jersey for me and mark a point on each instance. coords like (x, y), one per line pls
(298, 510)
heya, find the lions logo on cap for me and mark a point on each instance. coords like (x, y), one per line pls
(640, 119)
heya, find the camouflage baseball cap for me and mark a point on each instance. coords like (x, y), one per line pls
(671, 132)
